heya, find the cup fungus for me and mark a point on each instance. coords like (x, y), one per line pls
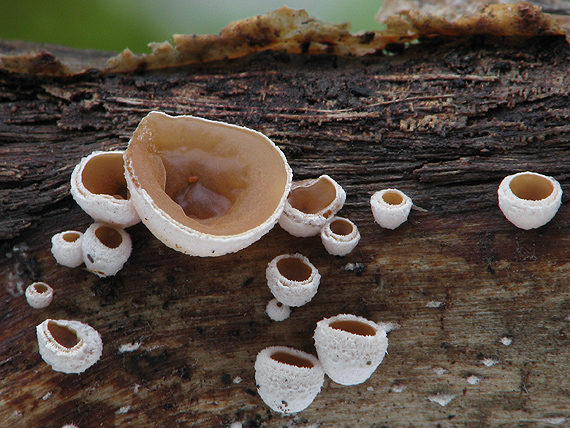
(105, 249)
(68, 346)
(390, 208)
(310, 205)
(205, 188)
(340, 236)
(99, 187)
(39, 295)
(349, 347)
(277, 311)
(288, 380)
(66, 248)
(529, 200)
(292, 279)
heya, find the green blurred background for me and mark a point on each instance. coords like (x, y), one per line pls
(114, 25)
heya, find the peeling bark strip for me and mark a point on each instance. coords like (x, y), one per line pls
(443, 121)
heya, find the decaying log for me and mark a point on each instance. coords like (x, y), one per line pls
(483, 308)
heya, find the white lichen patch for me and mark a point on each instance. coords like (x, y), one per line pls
(440, 371)
(489, 362)
(434, 304)
(122, 410)
(507, 341)
(441, 398)
(237, 380)
(129, 347)
(555, 420)
(398, 388)
(473, 380)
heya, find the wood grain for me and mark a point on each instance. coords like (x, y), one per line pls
(443, 121)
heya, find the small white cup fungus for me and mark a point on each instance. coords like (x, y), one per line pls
(68, 346)
(99, 187)
(340, 236)
(310, 205)
(66, 248)
(349, 347)
(277, 311)
(529, 200)
(292, 279)
(105, 249)
(390, 208)
(205, 188)
(288, 380)
(39, 295)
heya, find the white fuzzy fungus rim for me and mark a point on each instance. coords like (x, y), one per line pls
(66, 248)
(292, 279)
(69, 346)
(390, 207)
(310, 204)
(340, 236)
(350, 347)
(202, 187)
(39, 295)
(105, 249)
(99, 187)
(277, 311)
(529, 200)
(288, 380)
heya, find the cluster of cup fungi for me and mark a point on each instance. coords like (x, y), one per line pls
(209, 188)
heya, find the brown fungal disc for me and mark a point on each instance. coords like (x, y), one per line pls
(65, 336)
(531, 187)
(210, 177)
(71, 236)
(108, 236)
(104, 175)
(292, 360)
(313, 198)
(294, 269)
(40, 287)
(392, 198)
(341, 227)
(354, 327)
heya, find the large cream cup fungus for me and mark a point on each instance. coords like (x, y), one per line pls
(202, 187)
(528, 199)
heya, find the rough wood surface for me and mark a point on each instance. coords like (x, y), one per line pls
(483, 307)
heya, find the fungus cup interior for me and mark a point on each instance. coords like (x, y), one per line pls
(40, 287)
(341, 227)
(291, 359)
(393, 198)
(531, 187)
(313, 198)
(104, 174)
(212, 177)
(63, 335)
(354, 327)
(70, 237)
(108, 236)
(294, 269)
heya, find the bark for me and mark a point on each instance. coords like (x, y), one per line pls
(482, 307)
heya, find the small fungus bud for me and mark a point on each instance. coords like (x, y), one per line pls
(205, 188)
(349, 347)
(340, 236)
(69, 346)
(39, 295)
(277, 311)
(390, 208)
(105, 249)
(288, 380)
(529, 200)
(99, 187)
(292, 279)
(310, 205)
(66, 248)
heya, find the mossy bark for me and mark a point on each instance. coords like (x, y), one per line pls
(482, 307)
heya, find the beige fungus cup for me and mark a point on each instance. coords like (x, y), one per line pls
(205, 188)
